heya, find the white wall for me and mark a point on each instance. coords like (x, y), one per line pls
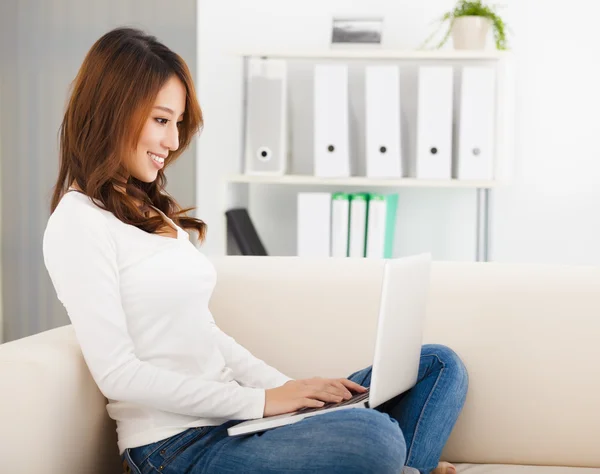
(547, 215)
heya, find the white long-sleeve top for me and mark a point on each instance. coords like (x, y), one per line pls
(139, 305)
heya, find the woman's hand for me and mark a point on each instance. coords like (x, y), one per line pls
(297, 394)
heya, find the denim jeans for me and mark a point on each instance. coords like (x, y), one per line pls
(408, 430)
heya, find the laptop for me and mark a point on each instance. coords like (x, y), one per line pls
(397, 346)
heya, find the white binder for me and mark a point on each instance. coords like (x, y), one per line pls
(434, 123)
(376, 227)
(475, 158)
(331, 140)
(358, 224)
(340, 219)
(314, 221)
(266, 120)
(382, 112)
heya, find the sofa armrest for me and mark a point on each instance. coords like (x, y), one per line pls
(51, 410)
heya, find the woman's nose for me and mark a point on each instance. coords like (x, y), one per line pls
(171, 140)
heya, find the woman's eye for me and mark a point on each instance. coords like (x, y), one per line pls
(162, 121)
(179, 124)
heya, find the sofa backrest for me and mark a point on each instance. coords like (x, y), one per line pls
(528, 334)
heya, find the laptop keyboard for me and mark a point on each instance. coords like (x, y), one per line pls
(357, 397)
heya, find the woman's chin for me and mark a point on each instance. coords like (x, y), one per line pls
(147, 177)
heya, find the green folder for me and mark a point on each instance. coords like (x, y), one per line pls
(381, 225)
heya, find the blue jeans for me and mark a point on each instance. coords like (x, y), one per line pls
(410, 429)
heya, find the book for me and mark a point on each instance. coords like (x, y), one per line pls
(242, 232)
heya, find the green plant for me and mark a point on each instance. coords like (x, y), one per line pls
(473, 8)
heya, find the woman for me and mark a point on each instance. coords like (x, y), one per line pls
(136, 290)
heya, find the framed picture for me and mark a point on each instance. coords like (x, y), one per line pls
(356, 30)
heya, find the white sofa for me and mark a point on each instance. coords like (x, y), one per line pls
(529, 336)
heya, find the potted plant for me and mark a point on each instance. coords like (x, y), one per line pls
(469, 24)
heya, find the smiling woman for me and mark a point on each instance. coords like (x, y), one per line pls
(137, 293)
(132, 112)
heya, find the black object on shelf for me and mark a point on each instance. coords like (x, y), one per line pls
(242, 234)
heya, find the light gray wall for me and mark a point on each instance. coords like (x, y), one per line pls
(42, 45)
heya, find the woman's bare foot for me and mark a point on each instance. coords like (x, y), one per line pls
(444, 468)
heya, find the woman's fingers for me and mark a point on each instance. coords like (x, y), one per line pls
(341, 389)
(338, 387)
(335, 387)
(311, 402)
(344, 386)
(325, 396)
(332, 386)
(349, 384)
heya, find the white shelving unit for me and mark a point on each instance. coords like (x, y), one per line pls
(237, 185)
(309, 180)
(372, 53)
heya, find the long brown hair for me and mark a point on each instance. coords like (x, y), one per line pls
(111, 99)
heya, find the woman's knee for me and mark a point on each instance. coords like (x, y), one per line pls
(374, 442)
(451, 362)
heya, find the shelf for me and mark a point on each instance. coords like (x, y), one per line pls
(308, 180)
(376, 53)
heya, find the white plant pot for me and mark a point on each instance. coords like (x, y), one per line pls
(470, 32)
